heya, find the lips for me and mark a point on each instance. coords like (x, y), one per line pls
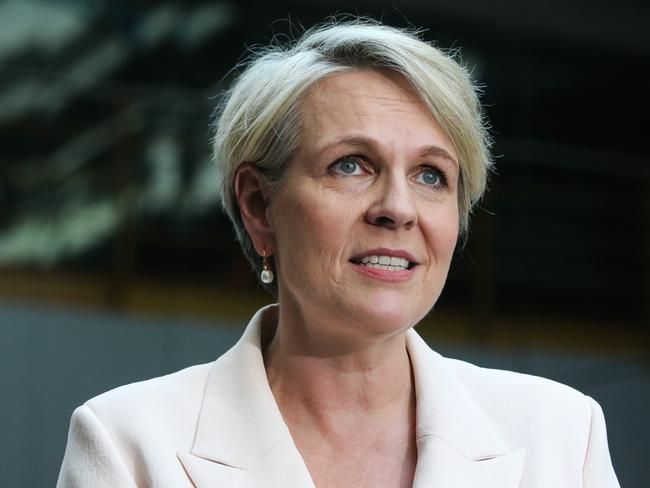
(386, 259)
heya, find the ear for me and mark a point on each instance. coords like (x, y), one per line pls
(252, 197)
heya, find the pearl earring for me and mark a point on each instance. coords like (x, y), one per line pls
(267, 275)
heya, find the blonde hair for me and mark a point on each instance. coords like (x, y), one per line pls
(258, 119)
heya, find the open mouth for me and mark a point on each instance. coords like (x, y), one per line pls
(387, 263)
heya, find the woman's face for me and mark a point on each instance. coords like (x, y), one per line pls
(366, 222)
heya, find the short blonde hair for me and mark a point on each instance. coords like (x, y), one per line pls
(258, 119)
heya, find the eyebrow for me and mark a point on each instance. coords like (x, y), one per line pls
(362, 141)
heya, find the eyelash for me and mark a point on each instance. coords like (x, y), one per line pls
(335, 168)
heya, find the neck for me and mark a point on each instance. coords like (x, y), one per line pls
(335, 382)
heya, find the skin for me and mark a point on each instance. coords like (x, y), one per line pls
(337, 362)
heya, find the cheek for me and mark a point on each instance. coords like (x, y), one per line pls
(310, 234)
(442, 233)
(449, 236)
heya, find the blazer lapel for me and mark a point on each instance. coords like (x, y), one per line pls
(241, 438)
(242, 441)
(206, 473)
(441, 466)
(457, 444)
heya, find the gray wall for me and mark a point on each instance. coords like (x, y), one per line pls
(52, 360)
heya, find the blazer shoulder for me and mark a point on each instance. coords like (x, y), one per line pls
(174, 387)
(523, 405)
(490, 382)
(552, 420)
(141, 406)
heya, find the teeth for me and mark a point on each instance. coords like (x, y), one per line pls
(387, 267)
(390, 263)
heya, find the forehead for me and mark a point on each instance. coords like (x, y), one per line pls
(365, 80)
(358, 91)
(368, 103)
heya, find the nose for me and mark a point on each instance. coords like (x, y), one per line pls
(393, 206)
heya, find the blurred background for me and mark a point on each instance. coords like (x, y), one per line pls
(116, 263)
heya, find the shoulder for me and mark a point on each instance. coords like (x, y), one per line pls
(558, 425)
(524, 406)
(138, 410)
(174, 390)
(488, 383)
(134, 432)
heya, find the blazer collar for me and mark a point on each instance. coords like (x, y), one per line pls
(457, 444)
(242, 440)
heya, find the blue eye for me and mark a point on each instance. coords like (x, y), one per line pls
(431, 177)
(347, 166)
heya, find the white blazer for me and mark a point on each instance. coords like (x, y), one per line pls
(218, 425)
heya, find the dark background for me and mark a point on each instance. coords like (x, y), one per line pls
(108, 203)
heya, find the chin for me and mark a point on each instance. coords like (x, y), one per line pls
(387, 313)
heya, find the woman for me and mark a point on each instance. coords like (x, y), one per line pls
(349, 164)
